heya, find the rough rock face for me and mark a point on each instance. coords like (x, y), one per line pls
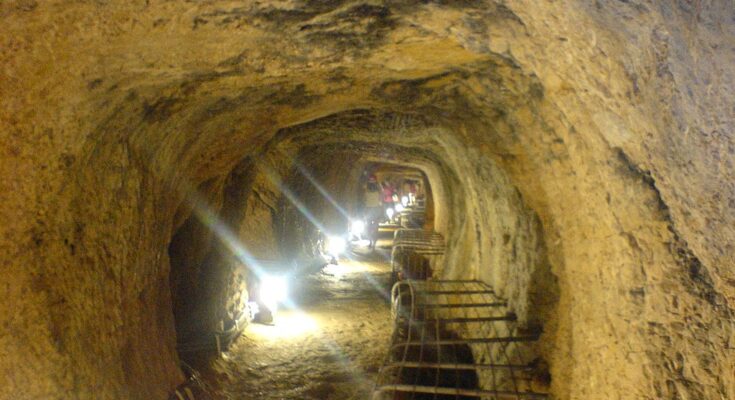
(581, 155)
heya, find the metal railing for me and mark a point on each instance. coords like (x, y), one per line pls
(217, 341)
(193, 388)
(412, 252)
(455, 340)
(412, 217)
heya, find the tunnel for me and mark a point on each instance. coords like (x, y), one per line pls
(572, 162)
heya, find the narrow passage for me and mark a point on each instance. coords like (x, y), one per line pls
(330, 347)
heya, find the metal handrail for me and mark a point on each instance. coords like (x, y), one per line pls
(421, 326)
(497, 394)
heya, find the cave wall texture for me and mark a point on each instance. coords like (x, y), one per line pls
(581, 151)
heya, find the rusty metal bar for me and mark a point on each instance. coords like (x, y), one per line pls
(427, 252)
(415, 364)
(437, 240)
(445, 342)
(462, 305)
(455, 292)
(412, 246)
(416, 231)
(430, 236)
(467, 320)
(402, 236)
(416, 249)
(498, 394)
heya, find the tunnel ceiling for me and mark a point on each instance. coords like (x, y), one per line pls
(596, 136)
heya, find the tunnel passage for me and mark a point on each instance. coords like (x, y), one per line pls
(579, 154)
(413, 204)
(309, 179)
(274, 205)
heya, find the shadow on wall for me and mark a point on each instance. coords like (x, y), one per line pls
(192, 261)
(208, 251)
(543, 285)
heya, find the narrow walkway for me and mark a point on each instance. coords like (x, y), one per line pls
(330, 347)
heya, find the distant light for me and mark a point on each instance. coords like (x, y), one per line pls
(358, 227)
(273, 290)
(399, 208)
(336, 245)
(404, 201)
(390, 212)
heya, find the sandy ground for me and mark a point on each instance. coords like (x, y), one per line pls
(329, 346)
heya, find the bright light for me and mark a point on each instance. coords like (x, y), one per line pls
(292, 325)
(399, 208)
(390, 212)
(336, 270)
(336, 245)
(404, 201)
(358, 227)
(273, 290)
(253, 310)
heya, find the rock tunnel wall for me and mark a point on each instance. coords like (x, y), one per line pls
(319, 183)
(612, 120)
(500, 239)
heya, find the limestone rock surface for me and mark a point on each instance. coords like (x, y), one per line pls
(581, 154)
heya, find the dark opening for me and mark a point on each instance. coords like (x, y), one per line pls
(435, 377)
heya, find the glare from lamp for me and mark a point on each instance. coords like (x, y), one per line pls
(292, 325)
(336, 245)
(253, 309)
(390, 212)
(404, 201)
(273, 290)
(358, 227)
(399, 207)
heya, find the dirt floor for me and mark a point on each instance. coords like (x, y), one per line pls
(329, 346)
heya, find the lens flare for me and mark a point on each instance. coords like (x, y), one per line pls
(358, 227)
(291, 326)
(336, 245)
(319, 187)
(273, 290)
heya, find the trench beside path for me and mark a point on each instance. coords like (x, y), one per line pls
(330, 347)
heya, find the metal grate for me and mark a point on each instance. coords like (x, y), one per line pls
(417, 237)
(455, 340)
(412, 217)
(412, 250)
